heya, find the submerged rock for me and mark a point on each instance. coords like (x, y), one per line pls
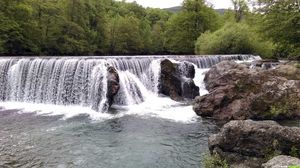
(253, 142)
(237, 92)
(282, 161)
(176, 80)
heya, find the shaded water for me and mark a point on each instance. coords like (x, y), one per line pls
(130, 141)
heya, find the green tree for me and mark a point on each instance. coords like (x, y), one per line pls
(233, 38)
(67, 38)
(240, 8)
(46, 15)
(17, 29)
(124, 35)
(157, 15)
(281, 24)
(157, 42)
(145, 35)
(182, 29)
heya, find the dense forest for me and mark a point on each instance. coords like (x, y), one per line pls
(108, 27)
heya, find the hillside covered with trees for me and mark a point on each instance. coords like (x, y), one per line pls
(109, 27)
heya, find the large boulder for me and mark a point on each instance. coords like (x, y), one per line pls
(176, 80)
(225, 73)
(254, 142)
(237, 92)
(282, 161)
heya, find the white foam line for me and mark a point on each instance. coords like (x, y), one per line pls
(160, 107)
(54, 110)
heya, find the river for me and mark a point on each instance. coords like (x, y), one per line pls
(47, 117)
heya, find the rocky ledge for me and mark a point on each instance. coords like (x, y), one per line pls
(248, 143)
(237, 92)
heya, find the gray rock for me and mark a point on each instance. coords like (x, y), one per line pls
(176, 80)
(113, 84)
(237, 92)
(282, 161)
(251, 142)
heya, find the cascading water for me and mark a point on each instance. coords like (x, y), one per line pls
(51, 112)
(83, 80)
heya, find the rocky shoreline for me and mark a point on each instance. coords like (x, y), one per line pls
(247, 99)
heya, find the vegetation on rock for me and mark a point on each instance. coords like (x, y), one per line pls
(214, 161)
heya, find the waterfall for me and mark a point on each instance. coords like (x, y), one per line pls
(83, 80)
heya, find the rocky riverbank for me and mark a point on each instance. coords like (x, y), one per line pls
(252, 143)
(238, 93)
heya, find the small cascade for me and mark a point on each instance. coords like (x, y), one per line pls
(83, 80)
(130, 91)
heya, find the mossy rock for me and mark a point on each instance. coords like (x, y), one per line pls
(291, 71)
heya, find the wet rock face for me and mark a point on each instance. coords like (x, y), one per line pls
(237, 92)
(176, 80)
(113, 87)
(282, 161)
(186, 69)
(244, 140)
(266, 63)
(113, 84)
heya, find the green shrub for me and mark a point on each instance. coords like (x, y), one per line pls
(285, 107)
(214, 161)
(294, 152)
(294, 167)
(273, 151)
(233, 38)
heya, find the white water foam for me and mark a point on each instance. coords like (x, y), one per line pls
(199, 80)
(55, 110)
(160, 107)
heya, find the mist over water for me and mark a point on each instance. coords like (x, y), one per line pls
(47, 117)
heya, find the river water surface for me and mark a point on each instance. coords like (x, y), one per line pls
(131, 141)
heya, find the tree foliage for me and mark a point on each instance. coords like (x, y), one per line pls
(106, 27)
(240, 7)
(281, 23)
(184, 28)
(80, 27)
(233, 38)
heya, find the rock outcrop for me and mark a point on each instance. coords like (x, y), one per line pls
(266, 63)
(237, 92)
(291, 70)
(113, 87)
(113, 84)
(282, 161)
(176, 80)
(253, 142)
